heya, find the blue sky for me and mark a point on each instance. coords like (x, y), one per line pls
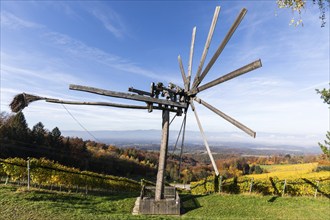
(45, 46)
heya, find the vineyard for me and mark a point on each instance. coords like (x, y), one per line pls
(293, 180)
(48, 173)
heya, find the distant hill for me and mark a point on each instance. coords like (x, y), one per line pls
(265, 142)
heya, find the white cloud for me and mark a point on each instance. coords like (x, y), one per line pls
(79, 49)
(13, 22)
(111, 21)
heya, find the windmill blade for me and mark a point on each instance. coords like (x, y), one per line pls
(226, 117)
(245, 69)
(221, 46)
(204, 138)
(191, 56)
(183, 74)
(207, 43)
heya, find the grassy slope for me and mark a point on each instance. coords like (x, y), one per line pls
(16, 203)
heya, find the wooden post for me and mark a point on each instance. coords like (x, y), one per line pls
(284, 187)
(159, 194)
(317, 186)
(28, 171)
(251, 185)
(220, 184)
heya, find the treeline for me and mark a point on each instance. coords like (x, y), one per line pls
(18, 140)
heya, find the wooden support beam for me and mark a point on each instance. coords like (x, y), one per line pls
(221, 46)
(160, 184)
(226, 117)
(128, 96)
(245, 69)
(207, 43)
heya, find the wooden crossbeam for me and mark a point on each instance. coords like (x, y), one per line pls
(128, 96)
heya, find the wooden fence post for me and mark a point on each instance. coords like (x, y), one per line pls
(284, 187)
(220, 184)
(317, 186)
(251, 185)
(28, 171)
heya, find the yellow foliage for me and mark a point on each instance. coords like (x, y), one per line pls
(289, 171)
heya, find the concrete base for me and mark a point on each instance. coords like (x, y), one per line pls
(149, 206)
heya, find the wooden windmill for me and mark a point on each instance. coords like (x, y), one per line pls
(171, 98)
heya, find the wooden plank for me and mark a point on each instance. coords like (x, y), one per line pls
(226, 117)
(207, 43)
(221, 46)
(191, 56)
(245, 69)
(204, 138)
(128, 96)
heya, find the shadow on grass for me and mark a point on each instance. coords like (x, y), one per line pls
(273, 199)
(189, 202)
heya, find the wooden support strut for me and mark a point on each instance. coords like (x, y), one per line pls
(128, 96)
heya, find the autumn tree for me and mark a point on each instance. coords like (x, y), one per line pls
(297, 6)
(326, 146)
(325, 95)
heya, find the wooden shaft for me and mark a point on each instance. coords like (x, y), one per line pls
(109, 104)
(207, 43)
(226, 117)
(160, 184)
(221, 46)
(204, 138)
(191, 56)
(96, 103)
(183, 74)
(127, 96)
(245, 69)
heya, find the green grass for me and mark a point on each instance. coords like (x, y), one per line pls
(17, 203)
(257, 207)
